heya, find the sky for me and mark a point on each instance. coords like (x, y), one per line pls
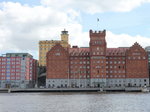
(23, 23)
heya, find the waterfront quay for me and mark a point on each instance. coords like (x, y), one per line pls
(112, 89)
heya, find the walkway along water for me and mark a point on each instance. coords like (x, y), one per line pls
(126, 89)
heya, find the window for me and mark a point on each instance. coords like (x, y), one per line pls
(88, 58)
(84, 62)
(88, 67)
(57, 54)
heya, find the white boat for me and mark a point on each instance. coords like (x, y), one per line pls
(144, 89)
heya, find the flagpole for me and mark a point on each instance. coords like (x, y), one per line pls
(97, 23)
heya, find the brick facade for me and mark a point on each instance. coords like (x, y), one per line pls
(97, 65)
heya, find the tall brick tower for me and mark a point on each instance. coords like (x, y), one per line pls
(98, 58)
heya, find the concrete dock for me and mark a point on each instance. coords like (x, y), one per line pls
(114, 89)
(3, 90)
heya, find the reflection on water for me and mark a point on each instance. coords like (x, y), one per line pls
(74, 102)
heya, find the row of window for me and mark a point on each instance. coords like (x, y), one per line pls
(98, 53)
(80, 76)
(98, 71)
(79, 57)
(115, 62)
(80, 67)
(137, 57)
(13, 63)
(135, 80)
(78, 72)
(16, 70)
(9, 59)
(116, 67)
(111, 71)
(98, 66)
(116, 58)
(81, 62)
(8, 66)
(115, 76)
(10, 78)
(98, 76)
(45, 48)
(98, 57)
(17, 74)
(10, 73)
(77, 54)
(107, 62)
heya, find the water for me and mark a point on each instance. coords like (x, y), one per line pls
(74, 102)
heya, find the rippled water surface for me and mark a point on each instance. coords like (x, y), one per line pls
(74, 102)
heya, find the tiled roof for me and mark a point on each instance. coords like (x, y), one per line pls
(79, 51)
(109, 51)
(116, 51)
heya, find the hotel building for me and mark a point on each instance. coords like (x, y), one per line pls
(97, 65)
(17, 70)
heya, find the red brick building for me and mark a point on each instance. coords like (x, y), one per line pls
(97, 65)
